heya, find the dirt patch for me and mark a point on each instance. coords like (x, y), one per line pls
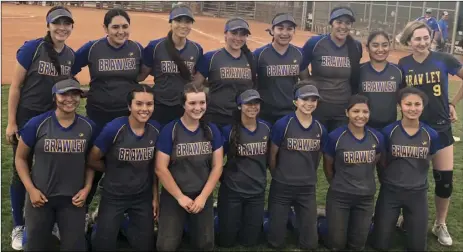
(24, 22)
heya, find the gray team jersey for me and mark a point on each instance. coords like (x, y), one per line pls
(114, 74)
(227, 76)
(59, 153)
(36, 90)
(129, 159)
(247, 173)
(299, 150)
(408, 157)
(168, 84)
(354, 160)
(277, 75)
(381, 88)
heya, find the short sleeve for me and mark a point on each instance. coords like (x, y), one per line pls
(380, 146)
(360, 48)
(81, 57)
(148, 53)
(29, 132)
(217, 140)
(278, 131)
(386, 132)
(164, 142)
(307, 51)
(25, 53)
(226, 141)
(256, 55)
(329, 148)
(325, 137)
(203, 64)
(452, 64)
(106, 137)
(435, 141)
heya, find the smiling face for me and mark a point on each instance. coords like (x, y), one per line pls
(420, 40)
(412, 106)
(358, 115)
(68, 101)
(142, 106)
(181, 26)
(283, 33)
(236, 39)
(60, 29)
(306, 105)
(251, 109)
(378, 48)
(195, 105)
(118, 30)
(341, 27)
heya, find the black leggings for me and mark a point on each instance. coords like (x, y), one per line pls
(414, 204)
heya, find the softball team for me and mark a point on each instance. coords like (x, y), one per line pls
(172, 61)
(128, 143)
(335, 61)
(410, 147)
(229, 71)
(349, 162)
(38, 62)
(295, 152)
(114, 63)
(429, 71)
(198, 129)
(241, 199)
(189, 161)
(59, 181)
(278, 66)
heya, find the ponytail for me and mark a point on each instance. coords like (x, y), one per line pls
(250, 59)
(235, 135)
(173, 53)
(52, 54)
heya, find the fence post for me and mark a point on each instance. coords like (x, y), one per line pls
(312, 27)
(364, 11)
(304, 15)
(455, 24)
(369, 17)
(255, 8)
(409, 12)
(394, 30)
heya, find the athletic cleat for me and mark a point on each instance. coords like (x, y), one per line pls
(17, 238)
(456, 139)
(55, 232)
(442, 234)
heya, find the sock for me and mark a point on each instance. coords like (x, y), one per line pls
(18, 196)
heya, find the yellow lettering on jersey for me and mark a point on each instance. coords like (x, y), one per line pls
(359, 157)
(298, 144)
(193, 149)
(410, 151)
(252, 149)
(64, 145)
(136, 154)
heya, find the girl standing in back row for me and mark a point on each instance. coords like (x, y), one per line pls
(39, 62)
(172, 61)
(429, 71)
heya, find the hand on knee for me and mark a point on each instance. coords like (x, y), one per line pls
(444, 183)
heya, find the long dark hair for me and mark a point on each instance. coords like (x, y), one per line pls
(235, 133)
(141, 88)
(175, 55)
(250, 59)
(375, 34)
(110, 14)
(49, 45)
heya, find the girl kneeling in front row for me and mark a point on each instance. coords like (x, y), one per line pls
(189, 163)
(410, 145)
(350, 161)
(241, 200)
(294, 157)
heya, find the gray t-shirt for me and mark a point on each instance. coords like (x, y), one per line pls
(60, 153)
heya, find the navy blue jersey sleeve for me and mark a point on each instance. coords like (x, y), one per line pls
(278, 131)
(307, 51)
(333, 137)
(106, 137)
(164, 142)
(156, 124)
(200, 53)
(359, 46)
(226, 138)
(148, 53)
(204, 63)
(380, 137)
(434, 26)
(256, 54)
(386, 132)
(26, 52)
(29, 132)
(452, 64)
(217, 140)
(81, 57)
(325, 137)
(435, 141)
(93, 128)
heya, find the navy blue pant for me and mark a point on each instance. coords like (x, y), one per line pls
(414, 205)
(240, 217)
(40, 222)
(303, 198)
(172, 219)
(140, 231)
(349, 220)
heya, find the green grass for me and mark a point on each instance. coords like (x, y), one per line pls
(455, 218)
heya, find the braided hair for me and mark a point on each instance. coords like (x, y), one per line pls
(235, 134)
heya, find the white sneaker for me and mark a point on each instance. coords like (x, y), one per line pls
(443, 235)
(55, 231)
(17, 238)
(456, 139)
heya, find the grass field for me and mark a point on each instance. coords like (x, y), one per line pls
(455, 219)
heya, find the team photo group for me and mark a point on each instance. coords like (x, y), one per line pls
(232, 118)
